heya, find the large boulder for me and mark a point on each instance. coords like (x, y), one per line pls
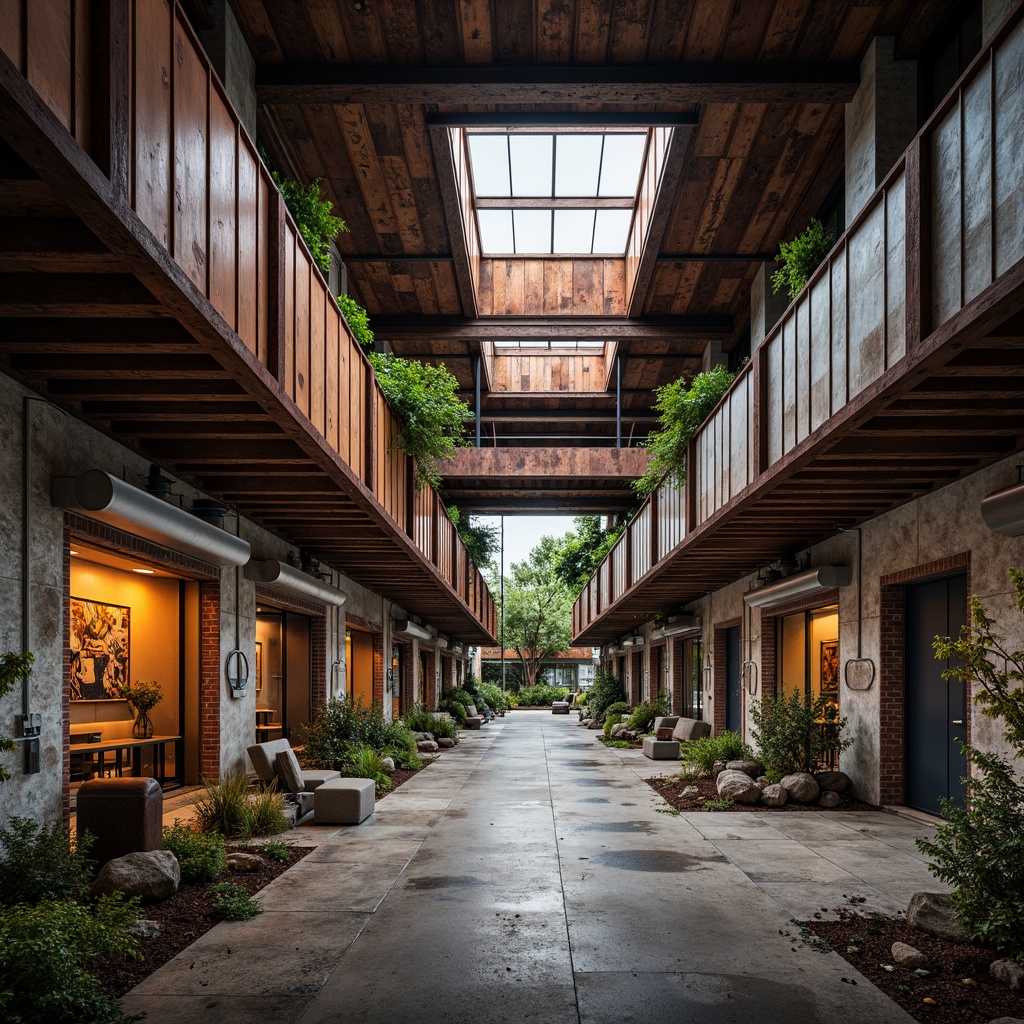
(834, 782)
(594, 724)
(244, 862)
(387, 764)
(616, 730)
(445, 742)
(829, 799)
(426, 747)
(747, 766)
(1009, 971)
(151, 876)
(930, 912)
(774, 796)
(717, 768)
(738, 787)
(801, 787)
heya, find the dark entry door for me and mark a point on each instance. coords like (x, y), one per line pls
(733, 705)
(935, 708)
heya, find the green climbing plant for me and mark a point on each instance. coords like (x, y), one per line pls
(313, 216)
(433, 419)
(800, 258)
(357, 319)
(681, 408)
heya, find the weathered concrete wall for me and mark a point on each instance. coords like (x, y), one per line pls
(64, 446)
(765, 307)
(992, 14)
(225, 46)
(939, 525)
(880, 121)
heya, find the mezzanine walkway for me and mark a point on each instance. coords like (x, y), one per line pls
(528, 876)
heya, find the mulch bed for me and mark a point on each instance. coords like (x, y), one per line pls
(183, 918)
(671, 790)
(866, 944)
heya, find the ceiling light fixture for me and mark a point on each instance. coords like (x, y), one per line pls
(144, 572)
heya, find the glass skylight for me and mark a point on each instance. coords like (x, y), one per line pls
(537, 193)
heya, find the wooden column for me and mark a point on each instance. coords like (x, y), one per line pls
(919, 243)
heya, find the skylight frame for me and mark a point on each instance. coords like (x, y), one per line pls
(553, 202)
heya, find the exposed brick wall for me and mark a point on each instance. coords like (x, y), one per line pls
(678, 673)
(209, 681)
(892, 670)
(379, 668)
(65, 701)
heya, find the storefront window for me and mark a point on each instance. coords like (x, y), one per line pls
(808, 644)
(693, 679)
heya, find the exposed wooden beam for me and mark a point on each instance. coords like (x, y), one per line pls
(660, 85)
(525, 328)
(715, 257)
(447, 182)
(672, 170)
(562, 119)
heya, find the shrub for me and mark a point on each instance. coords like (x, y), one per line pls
(419, 719)
(620, 707)
(704, 752)
(607, 690)
(366, 763)
(540, 694)
(398, 736)
(609, 721)
(48, 953)
(200, 854)
(231, 809)
(444, 726)
(800, 258)
(681, 411)
(337, 725)
(495, 698)
(233, 902)
(408, 761)
(718, 805)
(622, 744)
(979, 851)
(276, 850)
(642, 717)
(357, 320)
(43, 862)
(313, 216)
(797, 734)
(455, 709)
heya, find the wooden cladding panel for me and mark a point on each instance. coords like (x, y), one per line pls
(845, 329)
(671, 506)
(977, 184)
(725, 448)
(224, 188)
(640, 540)
(547, 373)
(50, 42)
(620, 564)
(584, 286)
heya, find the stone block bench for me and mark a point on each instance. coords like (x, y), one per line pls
(683, 729)
(275, 760)
(473, 718)
(343, 801)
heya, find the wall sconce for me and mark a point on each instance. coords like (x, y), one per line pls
(237, 671)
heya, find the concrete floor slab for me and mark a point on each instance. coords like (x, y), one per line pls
(526, 875)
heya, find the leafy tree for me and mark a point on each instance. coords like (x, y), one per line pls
(313, 216)
(800, 258)
(681, 410)
(357, 320)
(796, 733)
(538, 610)
(425, 399)
(482, 542)
(979, 851)
(582, 550)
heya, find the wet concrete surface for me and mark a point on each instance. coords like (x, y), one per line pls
(496, 887)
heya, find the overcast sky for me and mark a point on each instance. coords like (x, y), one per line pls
(523, 532)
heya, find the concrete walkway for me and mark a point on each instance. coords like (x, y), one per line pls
(529, 876)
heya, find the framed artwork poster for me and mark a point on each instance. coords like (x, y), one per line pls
(829, 666)
(100, 649)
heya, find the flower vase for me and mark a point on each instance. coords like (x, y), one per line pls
(143, 727)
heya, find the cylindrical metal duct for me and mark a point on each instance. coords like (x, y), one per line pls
(287, 578)
(410, 628)
(825, 577)
(117, 503)
(1003, 511)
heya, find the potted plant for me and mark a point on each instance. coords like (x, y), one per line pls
(142, 698)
